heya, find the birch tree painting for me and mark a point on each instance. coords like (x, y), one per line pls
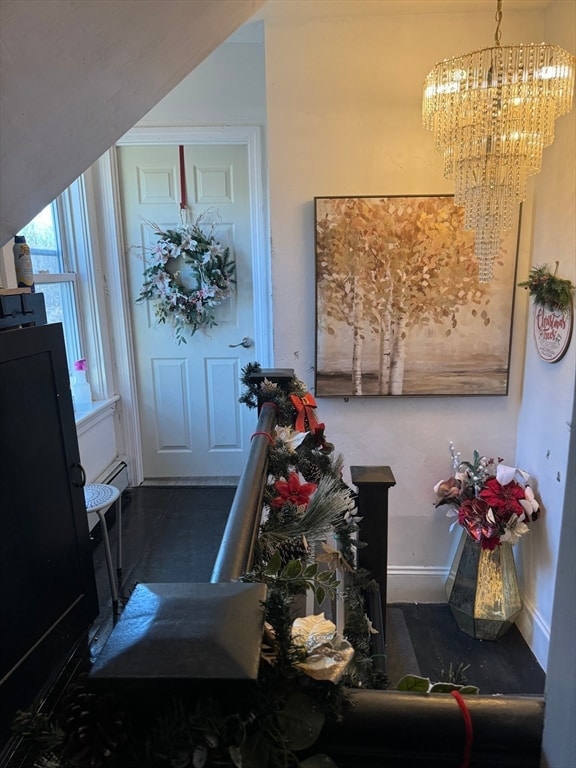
(400, 310)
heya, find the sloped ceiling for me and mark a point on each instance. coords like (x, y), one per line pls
(78, 74)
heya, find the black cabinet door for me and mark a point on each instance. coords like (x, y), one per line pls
(48, 593)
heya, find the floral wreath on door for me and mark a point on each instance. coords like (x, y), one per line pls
(187, 309)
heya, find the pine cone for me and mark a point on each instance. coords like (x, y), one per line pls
(264, 552)
(310, 471)
(95, 727)
(293, 549)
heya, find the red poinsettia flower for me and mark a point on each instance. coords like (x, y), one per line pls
(292, 491)
(504, 499)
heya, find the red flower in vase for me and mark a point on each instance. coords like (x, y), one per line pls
(292, 491)
(503, 499)
(474, 517)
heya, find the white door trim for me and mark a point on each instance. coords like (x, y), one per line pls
(108, 225)
(114, 263)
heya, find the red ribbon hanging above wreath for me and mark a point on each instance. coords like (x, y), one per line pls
(183, 196)
(306, 420)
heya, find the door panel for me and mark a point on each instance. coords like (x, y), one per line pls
(171, 405)
(224, 428)
(191, 422)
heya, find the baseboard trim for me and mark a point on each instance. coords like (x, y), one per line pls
(184, 482)
(416, 584)
(535, 631)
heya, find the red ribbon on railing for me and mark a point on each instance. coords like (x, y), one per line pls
(306, 420)
(265, 434)
(469, 731)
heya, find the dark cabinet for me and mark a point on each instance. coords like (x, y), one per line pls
(48, 593)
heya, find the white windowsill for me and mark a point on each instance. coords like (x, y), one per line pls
(99, 409)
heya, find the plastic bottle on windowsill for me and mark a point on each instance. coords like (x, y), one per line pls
(23, 263)
(81, 392)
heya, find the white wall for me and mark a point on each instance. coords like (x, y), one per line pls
(228, 87)
(344, 102)
(545, 424)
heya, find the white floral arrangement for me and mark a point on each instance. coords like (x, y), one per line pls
(187, 309)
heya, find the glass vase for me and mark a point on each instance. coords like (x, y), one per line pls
(482, 589)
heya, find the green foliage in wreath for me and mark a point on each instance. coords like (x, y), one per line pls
(187, 252)
(547, 290)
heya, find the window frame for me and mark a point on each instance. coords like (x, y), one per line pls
(74, 210)
(72, 333)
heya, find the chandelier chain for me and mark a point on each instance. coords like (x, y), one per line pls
(498, 17)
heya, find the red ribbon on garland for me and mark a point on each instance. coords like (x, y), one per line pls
(306, 420)
(183, 197)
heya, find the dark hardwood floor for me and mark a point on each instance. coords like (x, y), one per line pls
(169, 534)
(172, 534)
(504, 666)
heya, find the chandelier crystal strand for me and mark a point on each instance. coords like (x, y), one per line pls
(492, 112)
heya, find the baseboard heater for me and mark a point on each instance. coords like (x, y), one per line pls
(117, 475)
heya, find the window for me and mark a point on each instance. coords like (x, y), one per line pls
(66, 263)
(53, 276)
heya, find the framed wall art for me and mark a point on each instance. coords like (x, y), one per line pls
(399, 308)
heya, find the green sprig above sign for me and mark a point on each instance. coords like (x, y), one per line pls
(548, 290)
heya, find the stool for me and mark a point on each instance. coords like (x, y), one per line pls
(99, 498)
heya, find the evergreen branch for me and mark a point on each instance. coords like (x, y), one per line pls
(331, 502)
(547, 290)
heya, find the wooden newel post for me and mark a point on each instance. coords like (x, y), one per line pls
(372, 503)
(280, 376)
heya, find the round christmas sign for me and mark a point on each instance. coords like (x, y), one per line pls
(552, 332)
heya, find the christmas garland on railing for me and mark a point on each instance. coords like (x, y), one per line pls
(307, 665)
(301, 452)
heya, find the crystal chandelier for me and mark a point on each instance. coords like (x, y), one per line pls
(492, 112)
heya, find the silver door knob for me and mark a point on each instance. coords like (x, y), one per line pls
(246, 342)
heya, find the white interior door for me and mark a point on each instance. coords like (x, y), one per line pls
(191, 423)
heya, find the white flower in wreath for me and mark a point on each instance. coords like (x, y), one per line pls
(160, 254)
(215, 250)
(172, 250)
(208, 291)
(161, 282)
